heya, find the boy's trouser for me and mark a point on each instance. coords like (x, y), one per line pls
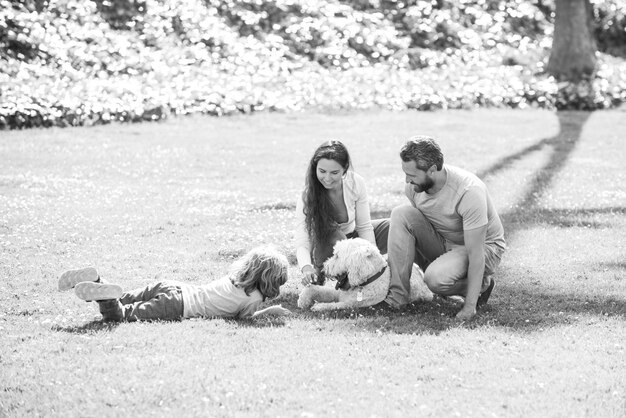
(157, 301)
(323, 251)
(412, 238)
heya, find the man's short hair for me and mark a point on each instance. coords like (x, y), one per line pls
(424, 151)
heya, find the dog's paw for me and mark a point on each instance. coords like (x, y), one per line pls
(304, 304)
(305, 301)
(331, 306)
(318, 307)
(420, 292)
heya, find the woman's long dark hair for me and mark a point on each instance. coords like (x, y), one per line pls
(318, 208)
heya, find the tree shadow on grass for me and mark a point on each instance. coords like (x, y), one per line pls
(539, 307)
(562, 218)
(529, 310)
(91, 327)
(263, 322)
(528, 211)
(97, 326)
(562, 144)
(522, 311)
(514, 309)
(613, 266)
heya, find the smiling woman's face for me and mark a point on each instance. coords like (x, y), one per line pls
(329, 173)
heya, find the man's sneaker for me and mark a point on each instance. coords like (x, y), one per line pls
(97, 291)
(484, 297)
(71, 278)
(384, 306)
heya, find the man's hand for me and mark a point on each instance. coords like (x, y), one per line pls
(466, 313)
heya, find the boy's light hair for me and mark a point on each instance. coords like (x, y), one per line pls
(263, 268)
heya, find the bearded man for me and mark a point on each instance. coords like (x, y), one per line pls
(451, 229)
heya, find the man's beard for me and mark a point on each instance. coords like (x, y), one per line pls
(423, 186)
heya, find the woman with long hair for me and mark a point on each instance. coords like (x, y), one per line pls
(333, 206)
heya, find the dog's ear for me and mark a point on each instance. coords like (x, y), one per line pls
(370, 252)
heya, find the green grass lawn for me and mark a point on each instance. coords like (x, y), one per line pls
(181, 199)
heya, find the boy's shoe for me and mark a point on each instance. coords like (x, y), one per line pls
(71, 278)
(484, 297)
(97, 291)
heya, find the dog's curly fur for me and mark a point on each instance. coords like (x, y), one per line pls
(360, 259)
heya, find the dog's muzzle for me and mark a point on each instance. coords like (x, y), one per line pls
(343, 283)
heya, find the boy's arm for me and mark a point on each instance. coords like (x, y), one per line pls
(276, 310)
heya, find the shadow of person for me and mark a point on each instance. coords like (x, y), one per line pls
(91, 327)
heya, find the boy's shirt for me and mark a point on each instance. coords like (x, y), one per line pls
(220, 298)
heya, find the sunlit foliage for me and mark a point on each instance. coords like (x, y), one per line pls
(71, 62)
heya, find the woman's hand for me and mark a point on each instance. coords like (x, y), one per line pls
(309, 276)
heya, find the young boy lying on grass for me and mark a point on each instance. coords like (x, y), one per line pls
(255, 277)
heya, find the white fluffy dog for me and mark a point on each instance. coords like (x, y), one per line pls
(361, 261)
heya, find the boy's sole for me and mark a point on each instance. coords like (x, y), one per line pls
(71, 278)
(97, 291)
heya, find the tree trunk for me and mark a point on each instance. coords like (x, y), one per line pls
(573, 54)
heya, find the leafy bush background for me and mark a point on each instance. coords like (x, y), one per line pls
(73, 62)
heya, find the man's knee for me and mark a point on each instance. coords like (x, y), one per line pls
(438, 280)
(433, 281)
(406, 215)
(401, 212)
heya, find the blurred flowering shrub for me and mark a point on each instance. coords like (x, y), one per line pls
(80, 62)
(121, 14)
(610, 28)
